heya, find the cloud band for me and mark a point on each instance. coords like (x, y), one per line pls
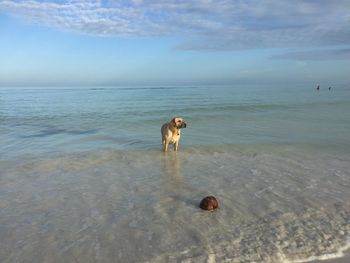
(201, 24)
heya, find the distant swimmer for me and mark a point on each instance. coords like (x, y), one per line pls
(318, 87)
(329, 88)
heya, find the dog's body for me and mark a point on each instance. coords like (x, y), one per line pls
(171, 133)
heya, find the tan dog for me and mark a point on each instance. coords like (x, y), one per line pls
(171, 133)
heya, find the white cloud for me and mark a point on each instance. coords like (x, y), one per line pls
(202, 24)
(324, 54)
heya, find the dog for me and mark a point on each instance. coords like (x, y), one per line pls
(171, 133)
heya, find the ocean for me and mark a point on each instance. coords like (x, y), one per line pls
(83, 177)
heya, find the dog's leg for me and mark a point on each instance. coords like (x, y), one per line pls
(165, 146)
(176, 145)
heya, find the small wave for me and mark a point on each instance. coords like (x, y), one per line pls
(338, 254)
(55, 131)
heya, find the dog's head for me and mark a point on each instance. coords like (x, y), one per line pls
(179, 122)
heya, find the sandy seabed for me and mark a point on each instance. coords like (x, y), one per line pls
(279, 203)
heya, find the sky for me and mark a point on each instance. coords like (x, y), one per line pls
(168, 42)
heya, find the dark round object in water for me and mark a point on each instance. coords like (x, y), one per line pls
(209, 203)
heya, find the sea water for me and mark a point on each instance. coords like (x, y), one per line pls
(83, 177)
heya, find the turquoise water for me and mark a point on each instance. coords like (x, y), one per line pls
(83, 178)
(88, 119)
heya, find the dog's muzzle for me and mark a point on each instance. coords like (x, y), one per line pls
(184, 125)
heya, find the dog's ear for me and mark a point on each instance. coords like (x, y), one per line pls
(173, 121)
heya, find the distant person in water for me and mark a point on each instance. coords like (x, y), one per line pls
(318, 87)
(329, 88)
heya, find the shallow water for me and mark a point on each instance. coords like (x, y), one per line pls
(278, 203)
(79, 181)
(49, 121)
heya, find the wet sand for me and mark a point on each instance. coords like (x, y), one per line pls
(345, 259)
(278, 204)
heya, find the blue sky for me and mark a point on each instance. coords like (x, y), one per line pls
(168, 42)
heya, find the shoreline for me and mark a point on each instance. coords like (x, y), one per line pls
(342, 256)
(344, 259)
(289, 199)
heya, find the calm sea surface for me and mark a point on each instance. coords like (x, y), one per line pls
(48, 121)
(82, 177)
